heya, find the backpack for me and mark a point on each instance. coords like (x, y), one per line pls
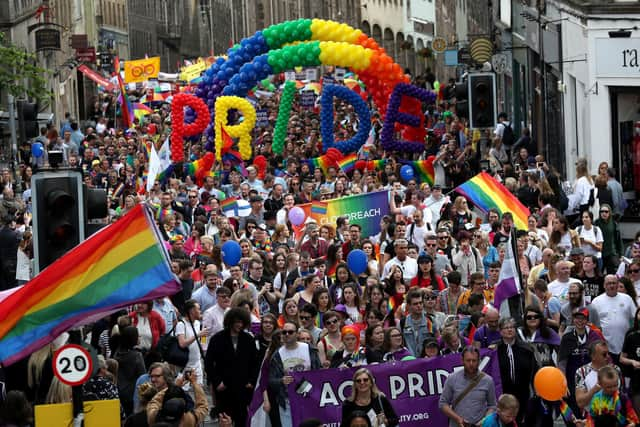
(508, 137)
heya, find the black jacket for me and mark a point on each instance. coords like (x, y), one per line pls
(235, 368)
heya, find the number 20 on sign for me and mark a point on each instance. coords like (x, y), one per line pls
(72, 365)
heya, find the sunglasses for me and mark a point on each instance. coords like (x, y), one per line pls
(634, 270)
(535, 317)
(288, 332)
(431, 297)
(305, 317)
(604, 211)
(443, 237)
(362, 380)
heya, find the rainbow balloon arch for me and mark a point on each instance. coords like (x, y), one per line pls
(303, 43)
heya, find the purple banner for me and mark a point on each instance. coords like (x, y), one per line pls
(413, 387)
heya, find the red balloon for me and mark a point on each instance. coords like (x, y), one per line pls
(180, 129)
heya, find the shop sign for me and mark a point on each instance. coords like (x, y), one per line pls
(618, 57)
(47, 39)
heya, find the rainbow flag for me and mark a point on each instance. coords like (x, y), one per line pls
(424, 170)
(120, 265)
(376, 164)
(318, 207)
(348, 163)
(140, 110)
(125, 104)
(229, 205)
(321, 162)
(485, 192)
(566, 412)
(200, 165)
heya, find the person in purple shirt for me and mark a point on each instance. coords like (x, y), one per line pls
(488, 333)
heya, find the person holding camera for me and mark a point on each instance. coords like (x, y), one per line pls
(175, 407)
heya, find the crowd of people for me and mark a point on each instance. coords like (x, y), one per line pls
(292, 303)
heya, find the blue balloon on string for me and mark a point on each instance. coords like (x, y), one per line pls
(406, 172)
(37, 149)
(357, 261)
(231, 253)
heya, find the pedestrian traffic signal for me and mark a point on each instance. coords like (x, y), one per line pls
(58, 215)
(482, 100)
(27, 120)
(462, 99)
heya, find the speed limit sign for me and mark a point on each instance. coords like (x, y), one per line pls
(72, 364)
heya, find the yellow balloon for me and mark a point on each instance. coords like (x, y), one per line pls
(241, 131)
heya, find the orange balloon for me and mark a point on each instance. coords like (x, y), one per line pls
(550, 383)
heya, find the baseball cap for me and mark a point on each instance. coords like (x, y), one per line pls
(582, 311)
(256, 199)
(576, 251)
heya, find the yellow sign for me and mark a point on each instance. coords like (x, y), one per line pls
(141, 70)
(192, 72)
(439, 44)
(96, 413)
(481, 50)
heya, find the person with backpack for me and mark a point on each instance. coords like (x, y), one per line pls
(504, 132)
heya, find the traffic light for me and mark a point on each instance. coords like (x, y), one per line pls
(462, 99)
(58, 214)
(95, 204)
(27, 120)
(482, 100)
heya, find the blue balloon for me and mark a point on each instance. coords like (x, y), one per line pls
(406, 172)
(357, 261)
(37, 149)
(231, 253)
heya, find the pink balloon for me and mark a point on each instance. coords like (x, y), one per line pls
(296, 215)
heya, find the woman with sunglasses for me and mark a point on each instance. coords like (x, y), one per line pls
(544, 341)
(367, 398)
(332, 341)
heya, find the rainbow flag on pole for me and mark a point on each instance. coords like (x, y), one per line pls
(348, 163)
(120, 265)
(486, 193)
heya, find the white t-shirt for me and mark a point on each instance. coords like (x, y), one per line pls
(184, 328)
(592, 235)
(296, 360)
(559, 289)
(616, 314)
(409, 268)
(418, 235)
(144, 333)
(583, 190)
(408, 210)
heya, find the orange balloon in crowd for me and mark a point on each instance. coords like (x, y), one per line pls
(550, 383)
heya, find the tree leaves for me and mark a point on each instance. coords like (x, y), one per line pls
(19, 73)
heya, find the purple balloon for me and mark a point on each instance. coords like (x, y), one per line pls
(296, 215)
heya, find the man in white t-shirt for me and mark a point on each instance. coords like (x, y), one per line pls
(408, 265)
(292, 357)
(415, 203)
(213, 317)
(560, 286)
(616, 312)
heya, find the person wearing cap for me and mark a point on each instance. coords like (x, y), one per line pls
(576, 300)
(574, 349)
(409, 266)
(430, 348)
(261, 240)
